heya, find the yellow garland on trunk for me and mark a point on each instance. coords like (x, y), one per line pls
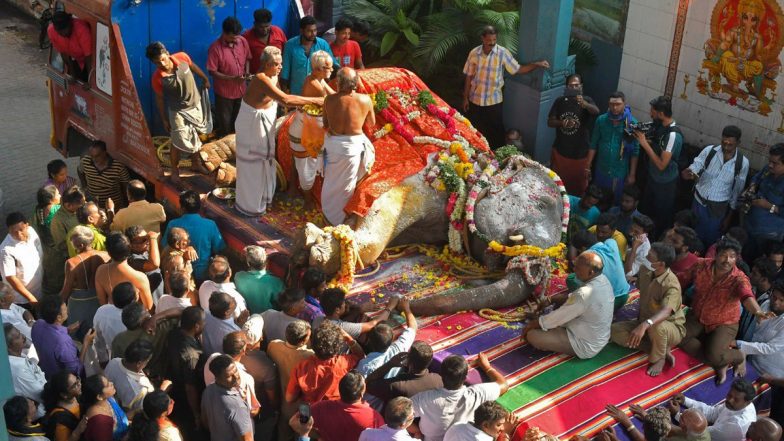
(349, 256)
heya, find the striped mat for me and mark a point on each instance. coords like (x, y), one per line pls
(561, 395)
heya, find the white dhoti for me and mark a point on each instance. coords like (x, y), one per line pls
(347, 158)
(307, 165)
(256, 170)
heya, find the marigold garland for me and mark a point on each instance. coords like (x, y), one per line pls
(348, 256)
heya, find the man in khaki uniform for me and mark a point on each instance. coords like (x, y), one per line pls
(660, 325)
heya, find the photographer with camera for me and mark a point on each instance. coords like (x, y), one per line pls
(659, 199)
(616, 152)
(720, 173)
(570, 116)
(764, 198)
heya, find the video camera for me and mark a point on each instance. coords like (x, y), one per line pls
(645, 127)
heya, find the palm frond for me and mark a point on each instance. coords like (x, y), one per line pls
(379, 20)
(443, 35)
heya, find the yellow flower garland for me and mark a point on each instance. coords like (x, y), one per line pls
(555, 252)
(348, 256)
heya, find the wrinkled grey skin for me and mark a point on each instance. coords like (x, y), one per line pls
(530, 207)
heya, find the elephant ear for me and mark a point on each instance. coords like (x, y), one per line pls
(325, 253)
(304, 241)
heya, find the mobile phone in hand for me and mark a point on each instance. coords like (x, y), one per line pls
(304, 413)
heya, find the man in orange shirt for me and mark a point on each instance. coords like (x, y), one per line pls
(346, 50)
(71, 37)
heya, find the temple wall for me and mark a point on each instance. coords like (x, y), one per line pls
(663, 53)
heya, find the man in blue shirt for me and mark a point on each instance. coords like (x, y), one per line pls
(765, 219)
(659, 199)
(611, 258)
(204, 234)
(583, 211)
(296, 55)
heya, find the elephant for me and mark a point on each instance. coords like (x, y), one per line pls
(525, 208)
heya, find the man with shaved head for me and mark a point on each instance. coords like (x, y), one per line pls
(580, 326)
(764, 429)
(348, 153)
(692, 426)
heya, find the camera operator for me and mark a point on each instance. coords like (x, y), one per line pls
(571, 116)
(765, 219)
(659, 198)
(720, 172)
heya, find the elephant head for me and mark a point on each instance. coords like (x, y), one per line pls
(318, 249)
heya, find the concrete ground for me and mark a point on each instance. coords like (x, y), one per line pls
(24, 115)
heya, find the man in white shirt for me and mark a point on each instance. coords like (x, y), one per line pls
(179, 284)
(581, 325)
(381, 347)
(728, 421)
(720, 172)
(14, 314)
(766, 348)
(398, 415)
(26, 375)
(491, 422)
(439, 409)
(127, 374)
(20, 259)
(220, 280)
(637, 256)
(107, 321)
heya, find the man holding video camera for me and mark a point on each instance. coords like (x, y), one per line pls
(720, 173)
(667, 139)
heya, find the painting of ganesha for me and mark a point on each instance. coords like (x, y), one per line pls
(742, 54)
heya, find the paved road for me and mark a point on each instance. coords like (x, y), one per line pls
(24, 114)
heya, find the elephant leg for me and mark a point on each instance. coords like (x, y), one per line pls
(511, 290)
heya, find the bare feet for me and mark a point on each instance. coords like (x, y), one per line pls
(740, 370)
(721, 375)
(656, 368)
(669, 359)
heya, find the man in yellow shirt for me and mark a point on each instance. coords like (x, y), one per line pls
(605, 229)
(139, 211)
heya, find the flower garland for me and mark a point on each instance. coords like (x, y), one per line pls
(348, 256)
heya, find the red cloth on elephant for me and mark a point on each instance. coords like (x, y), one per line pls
(396, 158)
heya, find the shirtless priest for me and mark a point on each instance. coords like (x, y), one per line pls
(348, 153)
(255, 126)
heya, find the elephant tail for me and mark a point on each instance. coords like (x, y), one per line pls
(509, 291)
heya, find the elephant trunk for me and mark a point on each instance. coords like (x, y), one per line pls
(509, 291)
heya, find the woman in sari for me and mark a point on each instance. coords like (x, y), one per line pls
(106, 421)
(48, 203)
(57, 170)
(79, 286)
(63, 420)
(19, 413)
(153, 424)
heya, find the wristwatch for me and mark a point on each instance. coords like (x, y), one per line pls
(649, 322)
(773, 209)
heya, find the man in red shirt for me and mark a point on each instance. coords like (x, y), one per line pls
(712, 322)
(346, 50)
(316, 378)
(228, 61)
(71, 37)
(683, 240)
(263, 34)
(345, 419)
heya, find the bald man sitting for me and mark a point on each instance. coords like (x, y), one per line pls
(580, 326)
(693, 426)
(764, 429)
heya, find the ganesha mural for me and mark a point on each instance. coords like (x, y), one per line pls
(742, 55)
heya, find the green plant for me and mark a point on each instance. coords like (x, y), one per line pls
(455, 30)
(584, 54)
(394, 27)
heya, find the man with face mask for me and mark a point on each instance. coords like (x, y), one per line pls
(616, 155)
(262, 34)
(228, 62)
(659, 198)
(571, 116)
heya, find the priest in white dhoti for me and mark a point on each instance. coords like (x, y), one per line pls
(255, 126)
(306, 144)
(348, 153)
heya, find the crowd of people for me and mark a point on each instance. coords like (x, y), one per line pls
(116, 331)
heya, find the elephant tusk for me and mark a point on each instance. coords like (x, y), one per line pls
(517, 238)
